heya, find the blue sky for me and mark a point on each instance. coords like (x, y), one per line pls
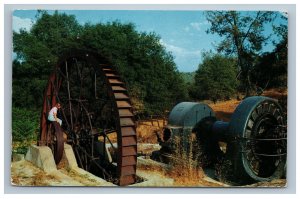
(182, 32)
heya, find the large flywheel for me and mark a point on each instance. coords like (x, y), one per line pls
(97, 117)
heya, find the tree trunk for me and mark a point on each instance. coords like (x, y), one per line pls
(248, 85)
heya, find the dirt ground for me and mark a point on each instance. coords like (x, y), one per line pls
(24, 173)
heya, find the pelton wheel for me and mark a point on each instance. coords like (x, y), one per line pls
(258, 152)
(97, 117)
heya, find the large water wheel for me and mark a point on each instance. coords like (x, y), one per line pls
(97, 117)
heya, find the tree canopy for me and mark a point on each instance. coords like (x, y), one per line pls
(243, 35)
(270, 70)
(148, 69)
(215, 78)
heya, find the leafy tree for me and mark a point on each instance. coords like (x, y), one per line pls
(243, 36)
(215, 78)
(147, 68)
(24, 128)
(37, 53)
(271, 68)
(188, 77)
(282, 30)
(142, 61)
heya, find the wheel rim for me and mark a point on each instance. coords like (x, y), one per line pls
(56, 141)
(96, 112)
(248, 150)
(264, 151)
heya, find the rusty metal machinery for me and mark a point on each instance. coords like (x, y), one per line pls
(97, 117)
(255, 138)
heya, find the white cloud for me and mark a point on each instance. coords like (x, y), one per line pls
(185, 59)
(179, 51)
(187, 29)
(198, 25)
(172, 48)
(21, 23)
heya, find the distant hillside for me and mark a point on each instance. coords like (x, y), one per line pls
(188, 77)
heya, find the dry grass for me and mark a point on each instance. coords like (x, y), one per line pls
(112, 137)
(147, 149)
(185, 170)
(276, 93)
(25, 173)
(224, 109)
(81, 178)
(180, 173)
(146, 130)
(15, 180)
(273, 183)
(24, 144)
(152, 168)
(63, 163)
(42, 179)
(184, 176)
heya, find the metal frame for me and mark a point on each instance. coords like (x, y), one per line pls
(71, 68)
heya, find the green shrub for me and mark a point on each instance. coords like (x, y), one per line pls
(25, 124)
(215, 78)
